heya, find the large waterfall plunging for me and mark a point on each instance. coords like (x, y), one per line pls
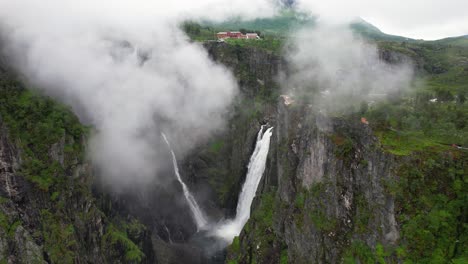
(231, 228)
(255, 171)
(198, 215)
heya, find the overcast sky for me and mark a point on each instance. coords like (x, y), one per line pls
(425, 19)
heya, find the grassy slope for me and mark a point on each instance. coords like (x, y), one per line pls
(412, 122)
(274, 26)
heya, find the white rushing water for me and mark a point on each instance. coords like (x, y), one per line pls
(198, 215)
(255, 172)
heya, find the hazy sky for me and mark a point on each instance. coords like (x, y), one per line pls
(426, 19)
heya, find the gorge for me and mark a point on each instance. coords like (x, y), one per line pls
(312, 185)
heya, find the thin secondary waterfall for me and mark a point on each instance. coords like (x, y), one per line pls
(198, 215)
(255, 171)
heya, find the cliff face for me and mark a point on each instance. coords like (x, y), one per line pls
(48, 213)
(53, 212)
(324, 187)
(331, 193)
(323, 193)
(335, 178)
(218, 167)
(13, 235)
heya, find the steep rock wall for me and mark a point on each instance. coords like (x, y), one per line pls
(48, 213)
(326, 183)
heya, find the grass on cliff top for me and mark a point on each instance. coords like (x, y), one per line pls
(200, 33)
(277, 25)
(404, 143)
(414, 122)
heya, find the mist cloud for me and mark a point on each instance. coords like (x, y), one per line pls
(335, 70)
(126, 67)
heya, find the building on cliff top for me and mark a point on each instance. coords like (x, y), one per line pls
(236, 35)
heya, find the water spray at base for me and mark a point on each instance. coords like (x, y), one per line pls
(231, 228)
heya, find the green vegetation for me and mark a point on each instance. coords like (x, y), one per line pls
(299, 202)
(412, 122)
(50, 139)
(359, 252)
(39, 123)
(404, 143)
(363, 214)
(407, 126)
(8, 225)
(284, 257)
(432, 198)
(279, 25)
(318, 216)
(216, 146)
(265, 211)
(430, 191)
(369, 31)
(221, 181)
(321, 221)
(420, 132)
(269, 44)
(461, 41)
(235, 246)
(59, 238)
(118, 238)
(431, 204)
(198, 32)
(314, 213)
(344, 146)
(260, 229)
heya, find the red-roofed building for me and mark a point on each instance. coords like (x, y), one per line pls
(236, 35)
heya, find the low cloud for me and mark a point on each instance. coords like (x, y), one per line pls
(126, 68)
(334, 69)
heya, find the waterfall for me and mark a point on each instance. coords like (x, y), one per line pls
(255, 171)
(168, 234)
(200, 219)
